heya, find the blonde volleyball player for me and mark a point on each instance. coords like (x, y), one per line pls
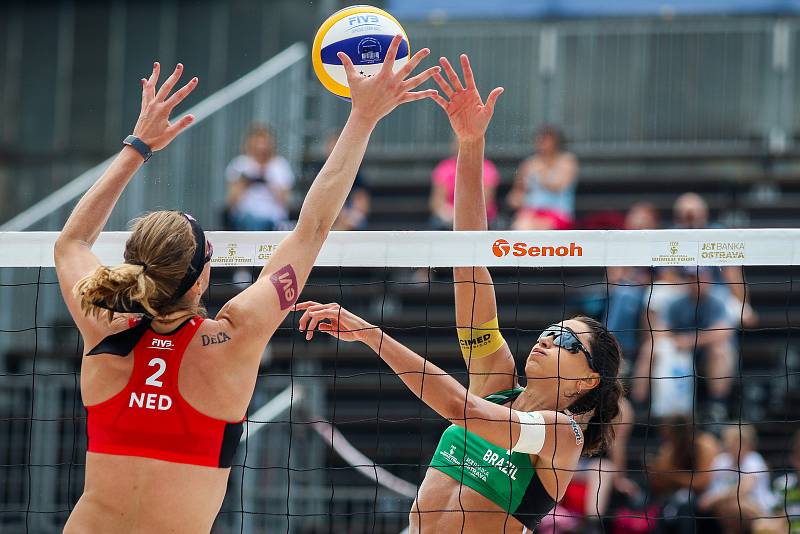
(165, 388)
(511, 452)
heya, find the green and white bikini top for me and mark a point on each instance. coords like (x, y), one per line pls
(506, 478)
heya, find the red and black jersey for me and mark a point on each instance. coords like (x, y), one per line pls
(149, 417)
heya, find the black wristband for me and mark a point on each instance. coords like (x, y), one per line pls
(138, 145)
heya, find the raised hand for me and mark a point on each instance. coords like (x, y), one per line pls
(154, 127)
(334, 320)
(469, 116)
(375, 97)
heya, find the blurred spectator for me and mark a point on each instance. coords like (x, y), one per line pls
(544, 190)
(695, 327)
(787, 491)
(739, 492)
(627, 286)
(259, 184)
(690, 211)
(443, 191)
(680, 472)
(356, 208)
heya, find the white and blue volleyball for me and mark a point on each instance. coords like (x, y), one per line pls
(364, 33)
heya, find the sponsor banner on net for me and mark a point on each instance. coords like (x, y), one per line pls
(264, 252)
(502, 248)
(234, 255)
(722, 252)
(673, 252)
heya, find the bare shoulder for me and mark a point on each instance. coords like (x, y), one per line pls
(527, 164)
(213, 333)
(102, 328)
(216, 347)
(561, 452)
(568, 158)
(564, 438)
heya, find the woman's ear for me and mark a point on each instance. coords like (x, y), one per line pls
(197, 288)
(588, 383)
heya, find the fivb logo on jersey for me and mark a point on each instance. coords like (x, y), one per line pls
(161, 344)
(502, 248)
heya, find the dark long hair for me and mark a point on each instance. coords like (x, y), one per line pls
(603, 400)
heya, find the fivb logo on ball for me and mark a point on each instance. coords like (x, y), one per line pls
(364, 33)
(502, 248)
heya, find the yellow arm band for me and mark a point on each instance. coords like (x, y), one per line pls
(480, 341)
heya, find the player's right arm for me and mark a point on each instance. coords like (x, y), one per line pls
(488, 358)
(72, 253)
(258, 310)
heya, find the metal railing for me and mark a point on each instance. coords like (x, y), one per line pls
(189, 174)
(684, 86)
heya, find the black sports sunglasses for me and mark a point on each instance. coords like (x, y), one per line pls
(567, 339)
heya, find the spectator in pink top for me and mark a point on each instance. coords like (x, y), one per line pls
(443, 192)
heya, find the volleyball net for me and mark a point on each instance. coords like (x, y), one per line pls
(334, 442)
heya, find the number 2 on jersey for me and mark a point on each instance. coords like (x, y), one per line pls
(162, 366)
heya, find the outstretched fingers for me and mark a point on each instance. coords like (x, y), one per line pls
(411, 96)
(419, 79)
(415, 60)
(441, 101)
(177, 127)
(312, 315)
(469, 78)
(181, 93)
(170, 83)
(391, 55)
(300, 306)
(442, 83)
(149, 86)
(318, 314)
(349, 69)
(492, 98)
(451, 74)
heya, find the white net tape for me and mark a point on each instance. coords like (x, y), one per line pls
(448, 249)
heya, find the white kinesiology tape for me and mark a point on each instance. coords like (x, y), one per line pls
(531, 433)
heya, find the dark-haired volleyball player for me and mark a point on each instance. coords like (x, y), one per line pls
(511, 451)
(165, 388)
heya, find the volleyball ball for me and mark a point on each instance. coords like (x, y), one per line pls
(364, 33)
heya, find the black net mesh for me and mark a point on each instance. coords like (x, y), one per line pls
(345, 445)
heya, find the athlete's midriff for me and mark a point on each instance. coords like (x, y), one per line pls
(130, 495)
(439, 505)
(479, 485)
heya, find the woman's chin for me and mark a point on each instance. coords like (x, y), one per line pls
(533, 370)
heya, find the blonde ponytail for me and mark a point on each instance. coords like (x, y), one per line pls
(108, 288)
(157, 255)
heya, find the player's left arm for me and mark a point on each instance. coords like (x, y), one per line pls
(548, 434)
(73, 254)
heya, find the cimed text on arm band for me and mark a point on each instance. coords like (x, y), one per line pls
(480, 341)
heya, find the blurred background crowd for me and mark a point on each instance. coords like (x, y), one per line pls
(634, 115)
